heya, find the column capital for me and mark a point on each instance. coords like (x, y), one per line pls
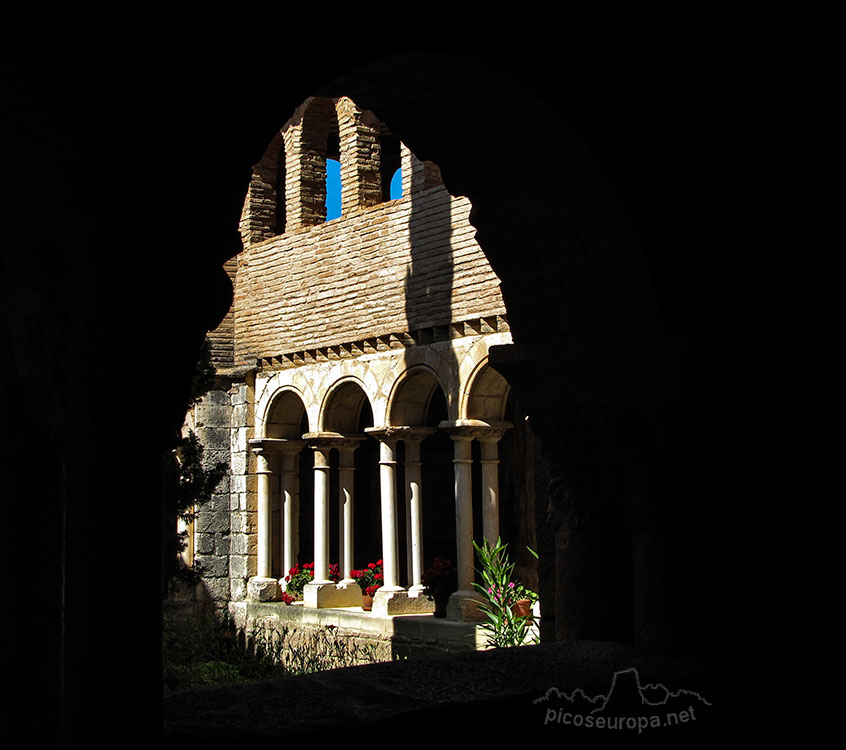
(479, 429)
(326, 440)
(399, 432)
(271, 445)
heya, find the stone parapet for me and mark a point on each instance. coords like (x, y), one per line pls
(395, 633)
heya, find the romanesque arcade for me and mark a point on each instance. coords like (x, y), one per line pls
(343, 453)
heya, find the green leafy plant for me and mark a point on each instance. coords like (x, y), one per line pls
(503, 627)
(523, 592)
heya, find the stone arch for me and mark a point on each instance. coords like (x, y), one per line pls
(486, 394)
(343, 405)
(284, 414)
(411, 395)
(445, 369)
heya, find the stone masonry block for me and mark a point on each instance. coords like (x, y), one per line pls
(239, 463)
(238, 566)
(213, 521)
(213, 415)
(239, 439)
(218, 588)
(222, 544)
(213, 566)
(214, 438)
(238, 394)
(244, 544)
(243, 522)
(263, 589)
(240, 416)
(237, 589)
(205, 544)
(216, 398)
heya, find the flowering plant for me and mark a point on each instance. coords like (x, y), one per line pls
(500, 593)
(369, 579)
(299, 576)
(440, 580)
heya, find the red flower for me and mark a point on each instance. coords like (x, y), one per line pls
(371, 565)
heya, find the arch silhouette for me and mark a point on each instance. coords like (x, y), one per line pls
(486, 394)
(412, 392)
(343, 405)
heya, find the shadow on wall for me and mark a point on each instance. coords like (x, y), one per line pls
(428, 303)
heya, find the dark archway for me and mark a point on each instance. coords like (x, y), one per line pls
(348, 412)
(100, 266)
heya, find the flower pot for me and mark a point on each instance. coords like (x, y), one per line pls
(522, 608)
(366, 602)
(441, 607)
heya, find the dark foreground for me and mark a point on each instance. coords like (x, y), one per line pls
(587, 694)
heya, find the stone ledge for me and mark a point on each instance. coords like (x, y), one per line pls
(421, 628)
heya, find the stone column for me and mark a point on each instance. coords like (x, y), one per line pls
(490, 486)
(463, 604)
(414, 500)
(346, 499)
(388, 491)
(321, 514)
(463, 464)
(262, 587)
(322, 592)
(391, 598)
(288, 477)
(263, 507)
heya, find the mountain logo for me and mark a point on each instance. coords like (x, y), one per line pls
(629, 703)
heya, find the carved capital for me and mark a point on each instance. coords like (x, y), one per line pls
(475, 428)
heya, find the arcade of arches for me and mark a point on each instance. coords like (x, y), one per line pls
(385, 449)
(356, 403)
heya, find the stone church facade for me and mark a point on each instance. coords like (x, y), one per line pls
(355, 404)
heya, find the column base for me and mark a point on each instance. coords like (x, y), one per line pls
(400, 603)
(263, 589)
(463, 606)
(322, 595)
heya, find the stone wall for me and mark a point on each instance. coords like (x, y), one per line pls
(224, 528)
(352, 634)
(212, 540)
(242, 499)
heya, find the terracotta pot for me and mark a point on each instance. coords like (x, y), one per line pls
(522, 608)
(366, 602)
